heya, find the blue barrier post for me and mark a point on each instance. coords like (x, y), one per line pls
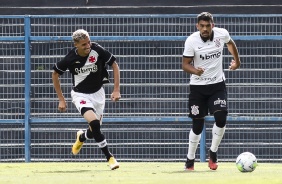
(203, 145)
(27, 88)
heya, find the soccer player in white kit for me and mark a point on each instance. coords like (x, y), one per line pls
(87, 64)
(202, 58)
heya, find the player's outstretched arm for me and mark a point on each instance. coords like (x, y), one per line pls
(115, 96)
(57, 85)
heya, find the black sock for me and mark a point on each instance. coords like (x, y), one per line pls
(82, 137)
(107, 152)
(89, 135)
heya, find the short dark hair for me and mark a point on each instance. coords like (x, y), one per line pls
(206, 16)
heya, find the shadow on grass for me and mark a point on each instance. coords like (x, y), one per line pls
(188, 172)
(74, 171)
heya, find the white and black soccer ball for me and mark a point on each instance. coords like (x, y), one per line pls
(246, 162)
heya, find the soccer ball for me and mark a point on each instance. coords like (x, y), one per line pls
(246, 162)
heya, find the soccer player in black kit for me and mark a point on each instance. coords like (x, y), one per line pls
(87, 64)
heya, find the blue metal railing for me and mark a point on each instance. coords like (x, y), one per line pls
(27, 38)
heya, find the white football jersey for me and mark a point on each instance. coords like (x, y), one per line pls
(207, 55)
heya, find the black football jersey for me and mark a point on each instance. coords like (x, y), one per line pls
(88, 73)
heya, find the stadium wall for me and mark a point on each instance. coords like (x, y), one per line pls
(44, 7)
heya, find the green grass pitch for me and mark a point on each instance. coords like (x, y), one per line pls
(135, 173)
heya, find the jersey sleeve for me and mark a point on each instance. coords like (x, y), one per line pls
(188, 48)
(227, 37)
(108, 57)
(61, 66)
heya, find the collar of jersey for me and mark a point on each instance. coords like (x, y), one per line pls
(211, 38)
(80, 55)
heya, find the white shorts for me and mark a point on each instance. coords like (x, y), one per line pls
(94, 100)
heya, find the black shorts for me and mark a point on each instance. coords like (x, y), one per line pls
(204, 99)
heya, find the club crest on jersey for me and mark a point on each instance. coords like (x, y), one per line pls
(92, 59)
(195, 110)
(217, 42)
(82, 102)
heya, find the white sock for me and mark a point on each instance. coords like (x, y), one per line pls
(102, 144)
(217, 134)
(193, 144)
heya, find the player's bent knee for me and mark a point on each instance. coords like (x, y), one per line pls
(220, 118)
(198, 125)
(95, 125)
(85, 109)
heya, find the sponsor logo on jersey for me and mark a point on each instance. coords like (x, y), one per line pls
(90, 68)
(222, 103)
(205, 79)
(210, 56)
